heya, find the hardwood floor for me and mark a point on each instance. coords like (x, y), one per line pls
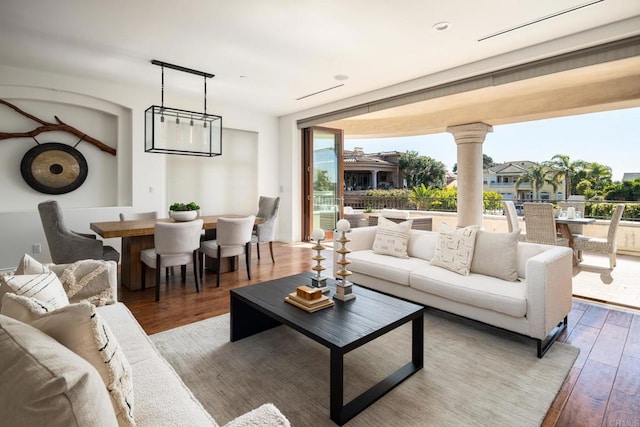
(602, 388)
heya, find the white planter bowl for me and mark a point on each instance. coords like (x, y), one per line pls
(182, 216)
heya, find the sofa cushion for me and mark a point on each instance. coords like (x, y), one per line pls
(46, 384)
(391, 238)
(81, 329)
(44, 287)
(422, 244)
(496, 255)
(392, 269)
(475, 289)
(454, 249)
(394, 213)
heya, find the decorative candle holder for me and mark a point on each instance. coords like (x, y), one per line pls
(344, 291)
(319, 282)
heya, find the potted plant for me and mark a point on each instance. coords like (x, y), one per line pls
(184, 211)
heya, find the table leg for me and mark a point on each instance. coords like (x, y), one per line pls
(565, 232)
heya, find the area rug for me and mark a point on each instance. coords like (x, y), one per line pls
(473, 374)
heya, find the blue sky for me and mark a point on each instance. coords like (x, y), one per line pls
(611, 138)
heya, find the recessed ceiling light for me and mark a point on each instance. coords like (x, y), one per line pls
(341, 77)
(441, 26)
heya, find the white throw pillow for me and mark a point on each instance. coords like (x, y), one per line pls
(391, 238)
(496, 255)
(81, 329)
(45, 287)
(43, 383)
(30, 265)
(454, 250)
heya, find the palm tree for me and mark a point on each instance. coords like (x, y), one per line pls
(598, 174)
(562, 168)
(537, 176)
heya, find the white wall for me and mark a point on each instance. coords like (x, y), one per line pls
(136, 171)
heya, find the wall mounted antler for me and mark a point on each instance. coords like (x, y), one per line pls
(48, 127)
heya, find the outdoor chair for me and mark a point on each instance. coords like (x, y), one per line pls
(67, 246)
(176, 243)
(233, 238)
(599, 245)
(266, 232)
(541, 225)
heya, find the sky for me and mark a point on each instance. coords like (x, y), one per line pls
(611, 138)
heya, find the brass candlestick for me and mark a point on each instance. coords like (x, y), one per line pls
(344, 290)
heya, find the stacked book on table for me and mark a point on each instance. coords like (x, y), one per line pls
(309, 299)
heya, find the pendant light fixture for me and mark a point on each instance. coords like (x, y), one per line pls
(174, 131)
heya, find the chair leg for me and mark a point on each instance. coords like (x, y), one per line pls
(612, 260)
(195, 269)
(273, 260)
(219, 268)
(157, 277)
(202, 260)
(183, 273)
(247, 256)
(144, 275)
(258, 249)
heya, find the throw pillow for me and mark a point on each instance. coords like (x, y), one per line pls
(454, 250)
(46, 384)
(30, 265)
(45, 287)
(496, 255)
(391, 238)
(81, 329)
(86, 280)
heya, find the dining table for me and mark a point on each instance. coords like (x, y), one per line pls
(562, 225)
(137, 235)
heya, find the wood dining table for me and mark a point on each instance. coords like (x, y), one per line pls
(562, 225)
(137, 235)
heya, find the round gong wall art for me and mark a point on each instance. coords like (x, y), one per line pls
(54, 168)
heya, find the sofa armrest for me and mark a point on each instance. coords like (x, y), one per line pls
(549, 278)
(361, 238)
(266, 415)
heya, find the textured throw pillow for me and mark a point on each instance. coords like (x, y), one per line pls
(43, 383)
(454, 250)
(81, 329)
(496, 255)
(45, 287)
(86, 280)
(391, 238)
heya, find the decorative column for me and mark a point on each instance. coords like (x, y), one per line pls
(469, 138)
(374, 179)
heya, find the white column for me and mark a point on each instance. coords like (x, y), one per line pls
(374, 179)
(469, 139)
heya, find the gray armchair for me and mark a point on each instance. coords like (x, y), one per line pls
(266, 232)
(67, 246)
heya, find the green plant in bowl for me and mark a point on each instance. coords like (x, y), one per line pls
(191, 206)
(184, 211)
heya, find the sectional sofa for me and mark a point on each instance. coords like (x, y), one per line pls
(521, 287)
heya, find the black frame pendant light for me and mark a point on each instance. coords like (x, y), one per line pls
(174, 131)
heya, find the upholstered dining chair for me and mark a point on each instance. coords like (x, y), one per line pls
(67, 246)
(133, 216)
(599, 245)
(541, 225)
(266, 232)
(176, 243)
(233, 238)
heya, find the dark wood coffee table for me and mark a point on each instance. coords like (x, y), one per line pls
(371, 314)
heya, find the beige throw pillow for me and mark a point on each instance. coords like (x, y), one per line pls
(30, 265)
(454, 250)
(45, 287)
(86, 280)
(391, 238)
(496, 255)
(81, 329)
(43, 383)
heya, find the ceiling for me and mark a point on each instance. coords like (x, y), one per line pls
(268, 54)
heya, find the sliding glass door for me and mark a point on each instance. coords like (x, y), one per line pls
(323, 176)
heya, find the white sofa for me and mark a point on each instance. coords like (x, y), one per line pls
(160, 396)
(536, 305)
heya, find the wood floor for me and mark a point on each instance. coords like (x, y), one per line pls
(602, 388)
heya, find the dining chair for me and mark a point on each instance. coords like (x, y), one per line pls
(175, 243)
(67, 246)
(266, 232)
(600, 245)
(135, 216)
(540, 225)
(233, 238)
